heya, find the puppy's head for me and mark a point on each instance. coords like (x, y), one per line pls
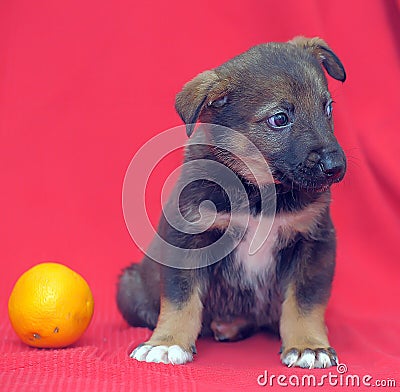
(275, 94)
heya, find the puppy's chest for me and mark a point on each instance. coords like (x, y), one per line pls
(264, 237)
(255, 252)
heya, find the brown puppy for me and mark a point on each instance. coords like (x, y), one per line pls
(273, 262)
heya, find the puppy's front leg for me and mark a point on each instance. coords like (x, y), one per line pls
(304, 334)
(179, 324)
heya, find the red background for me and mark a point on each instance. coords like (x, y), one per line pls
(83, 84)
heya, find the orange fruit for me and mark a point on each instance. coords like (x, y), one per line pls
(50, 306)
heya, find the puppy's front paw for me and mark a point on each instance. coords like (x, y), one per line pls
(174, 355)
(310, 358)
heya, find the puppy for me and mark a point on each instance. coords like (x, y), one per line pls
(265, 116)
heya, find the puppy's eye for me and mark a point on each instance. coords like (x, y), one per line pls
(328, 109)
(278, 120)
(218, 103)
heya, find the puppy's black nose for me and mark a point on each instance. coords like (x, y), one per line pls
(332, 165)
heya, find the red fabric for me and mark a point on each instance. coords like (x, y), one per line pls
(83, 84)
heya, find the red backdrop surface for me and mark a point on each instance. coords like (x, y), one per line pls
(83, 84)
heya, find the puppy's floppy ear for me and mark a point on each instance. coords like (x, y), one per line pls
(195, 95)
(320, 49)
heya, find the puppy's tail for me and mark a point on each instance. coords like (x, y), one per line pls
(138, 295)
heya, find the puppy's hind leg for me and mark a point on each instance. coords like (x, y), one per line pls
(232, 329)
(138, 294)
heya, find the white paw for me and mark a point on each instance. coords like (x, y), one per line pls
(319, 358)
(323, 360)
(174, 355)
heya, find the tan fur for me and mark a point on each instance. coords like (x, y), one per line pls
(197, 94)
(178, 325)
(253, 169)
(304, 222)
(299, 328)
(307, 43)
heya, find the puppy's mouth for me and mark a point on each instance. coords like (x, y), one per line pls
(315, 174)
(308, 184)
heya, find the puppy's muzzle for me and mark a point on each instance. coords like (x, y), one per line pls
(331, 164)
